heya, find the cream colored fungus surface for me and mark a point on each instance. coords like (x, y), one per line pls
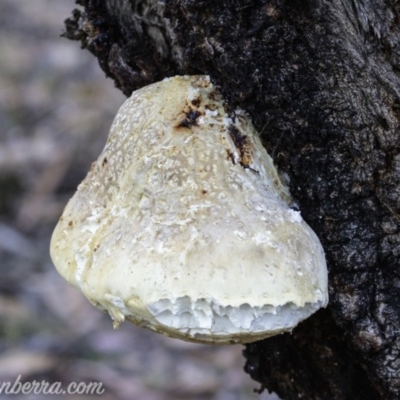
(183, 226)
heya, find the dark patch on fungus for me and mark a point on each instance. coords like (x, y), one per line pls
(196, 102)
(242, 144)
(231, 156)
(214, 96)
(105, 161)
(190, 120)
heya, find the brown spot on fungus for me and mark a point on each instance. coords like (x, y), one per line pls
(231, 156)
(196, 102)
(190, 120)
(243, 146)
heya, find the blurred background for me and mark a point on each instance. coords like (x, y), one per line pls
(56, 107)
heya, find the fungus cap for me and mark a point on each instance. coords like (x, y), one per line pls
(183, 226)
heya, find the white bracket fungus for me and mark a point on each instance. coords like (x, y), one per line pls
(184, 227)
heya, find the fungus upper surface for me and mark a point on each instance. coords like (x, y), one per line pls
(184, 227)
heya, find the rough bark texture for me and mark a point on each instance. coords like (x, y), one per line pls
(321, 81)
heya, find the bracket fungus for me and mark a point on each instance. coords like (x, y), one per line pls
(183, 226)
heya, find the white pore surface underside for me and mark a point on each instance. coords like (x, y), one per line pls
(205, 317)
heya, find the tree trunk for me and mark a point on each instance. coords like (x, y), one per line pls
(321, 81)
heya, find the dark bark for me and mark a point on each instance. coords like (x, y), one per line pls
(321, 81)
